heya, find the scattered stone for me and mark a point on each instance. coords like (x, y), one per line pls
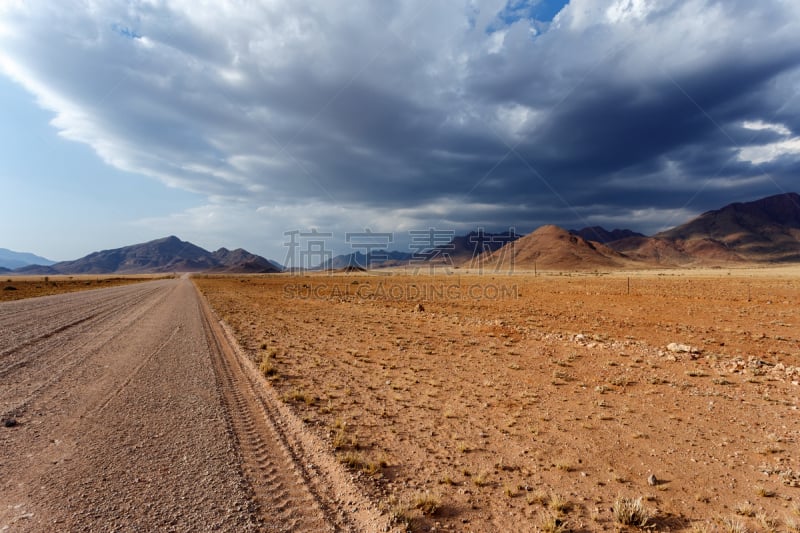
(652, 480)
(419, 308)
(10, 422)
(675, 347)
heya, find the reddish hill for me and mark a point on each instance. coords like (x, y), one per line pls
(763, 230)
(554, 248)
(668, 252)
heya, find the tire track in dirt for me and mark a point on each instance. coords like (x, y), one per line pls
(74, 344)
(133, 436)
(24, 343)
(282, 498)
(47, 317)
(20, 362)
(142, 415)
(297, 484)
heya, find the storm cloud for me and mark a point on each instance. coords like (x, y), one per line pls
(631, 113)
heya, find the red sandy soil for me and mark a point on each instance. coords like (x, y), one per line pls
(529, 403)
(21, 287)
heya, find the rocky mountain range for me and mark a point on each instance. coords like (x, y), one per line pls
(169, 254)
(761, 231)
(604, 236)
(460, 250)
(360, 260)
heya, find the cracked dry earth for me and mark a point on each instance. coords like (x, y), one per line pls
(534, 403)
(126, 409)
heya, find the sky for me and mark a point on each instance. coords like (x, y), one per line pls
(231, 123)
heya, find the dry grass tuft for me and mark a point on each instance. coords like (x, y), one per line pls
(267, 368)
(745, 509)
(558, 504)
(399, 515)
(356, 461)
(298, 395)
(481, 480)
(732, 525)
(342, 439)
(447, 479)
(565, 466)
(630, 512)
(427, 503)
(764, 492)
(539, 497)
(768, 523)
(552, 523)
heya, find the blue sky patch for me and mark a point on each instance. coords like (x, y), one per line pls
(125, 31)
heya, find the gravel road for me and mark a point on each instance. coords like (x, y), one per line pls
(127, 413)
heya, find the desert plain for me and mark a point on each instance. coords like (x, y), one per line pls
(22, 287)
(547, 401)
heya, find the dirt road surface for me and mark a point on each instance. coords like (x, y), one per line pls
(124, 410)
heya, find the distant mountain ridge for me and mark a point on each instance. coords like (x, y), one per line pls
(766, 230)
(762, 231)
(604, 236)
(242, 261)
(376, 259)
(459, 250)
(169, 254)
(9, 259)
(465, 250)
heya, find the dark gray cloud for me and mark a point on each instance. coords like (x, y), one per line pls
(633, 112)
